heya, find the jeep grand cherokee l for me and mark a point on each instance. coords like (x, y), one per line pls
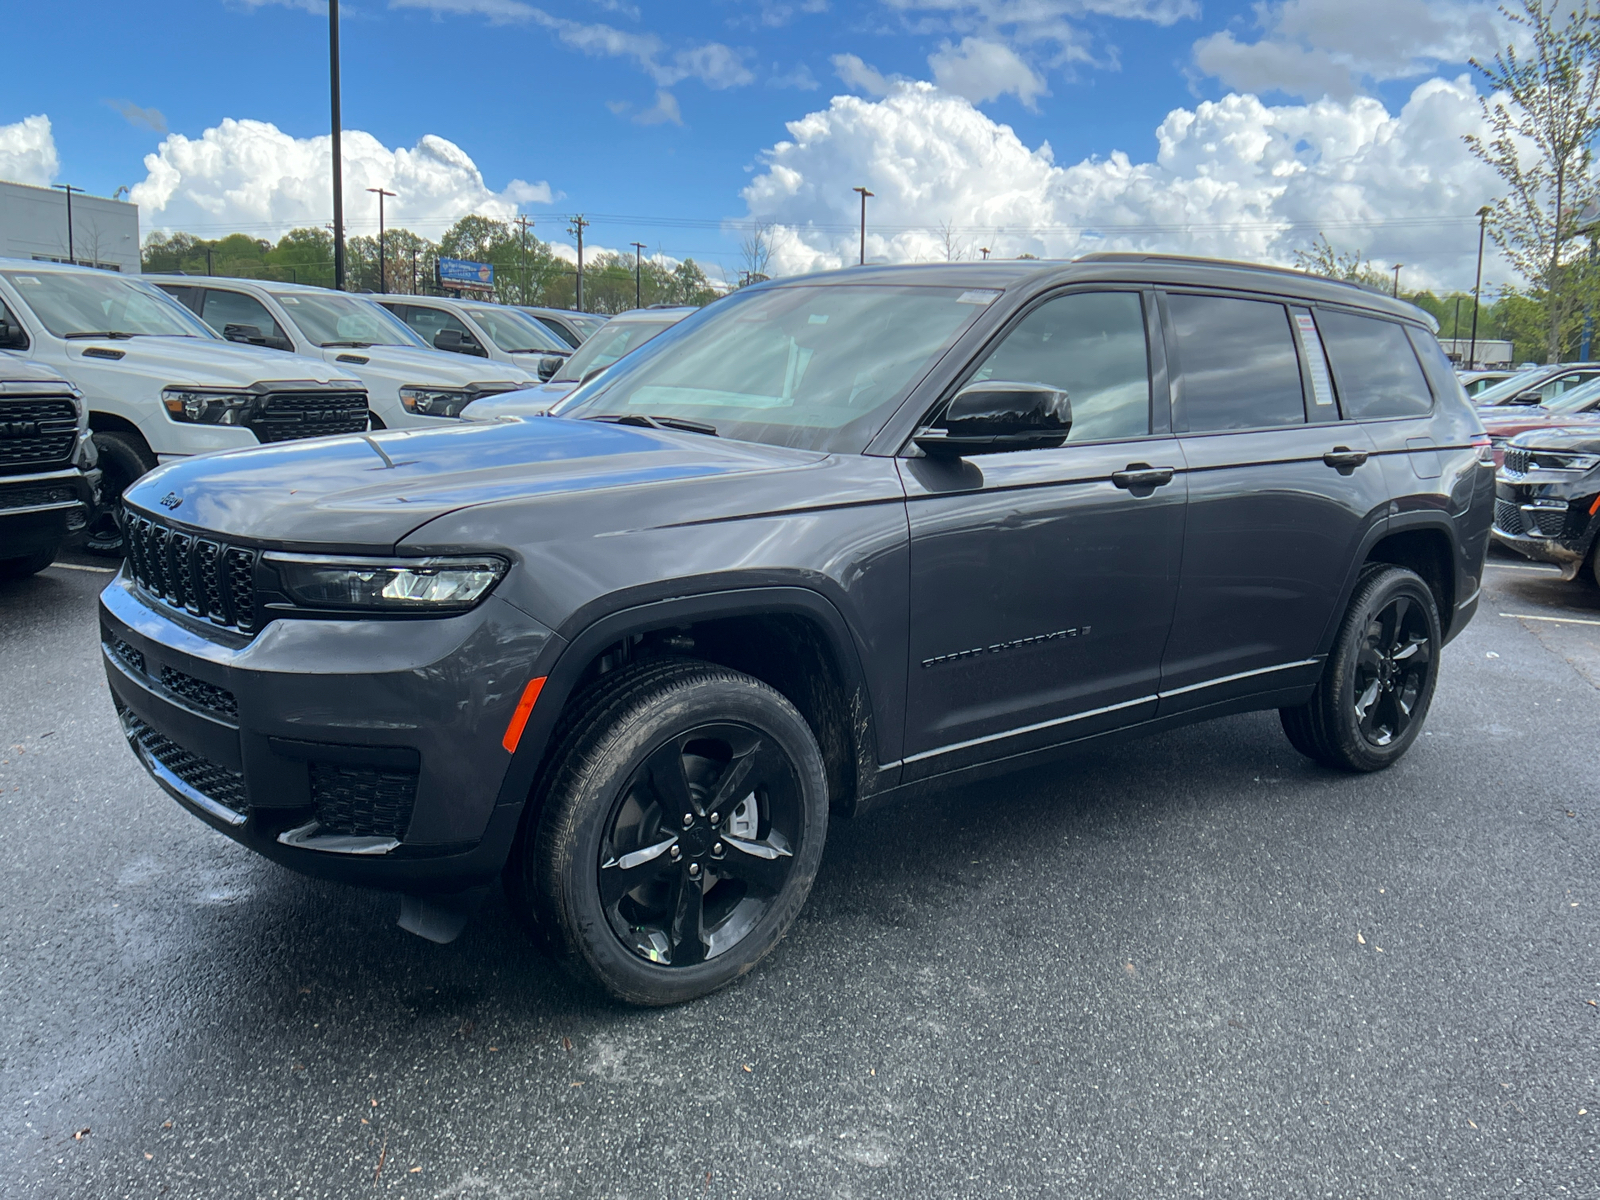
(829, 541)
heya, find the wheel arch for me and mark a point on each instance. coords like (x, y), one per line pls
(105, 422)
(792, 638)
(1429, 550)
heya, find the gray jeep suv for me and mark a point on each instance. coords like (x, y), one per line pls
(830, 541)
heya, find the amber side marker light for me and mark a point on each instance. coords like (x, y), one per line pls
(519, 719)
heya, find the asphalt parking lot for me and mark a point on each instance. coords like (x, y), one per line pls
(1193, 965)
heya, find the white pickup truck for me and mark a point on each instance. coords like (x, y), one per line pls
(409, 384)
(158, 383)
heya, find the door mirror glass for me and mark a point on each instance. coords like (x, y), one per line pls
(996, 416)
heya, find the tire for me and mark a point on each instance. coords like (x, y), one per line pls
(123, 458)
(29, 564)
(1377, 685)
(623, 892)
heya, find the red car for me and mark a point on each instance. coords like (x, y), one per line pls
(1580, 406)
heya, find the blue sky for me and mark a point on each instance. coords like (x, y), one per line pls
(653, 117)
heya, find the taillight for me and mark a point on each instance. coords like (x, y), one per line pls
(1485, 449)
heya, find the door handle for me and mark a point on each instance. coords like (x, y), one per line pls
(1142, 475)
(1344, 458)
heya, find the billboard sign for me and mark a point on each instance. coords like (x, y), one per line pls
(459, 273)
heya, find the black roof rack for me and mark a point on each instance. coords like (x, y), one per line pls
(1135, 256)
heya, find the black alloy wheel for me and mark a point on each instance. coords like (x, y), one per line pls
(1378, 681)
(699, 844)
(1393, 666)
(675, 832)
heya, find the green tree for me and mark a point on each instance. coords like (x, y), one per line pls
(1353, 267)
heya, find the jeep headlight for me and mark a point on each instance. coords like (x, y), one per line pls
(198, 406)
(388, 584)
(435, 402)
(1551, 460)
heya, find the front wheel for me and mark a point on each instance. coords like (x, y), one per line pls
(1378, 682)
(680, 832)
(30, 564)
(123, 458)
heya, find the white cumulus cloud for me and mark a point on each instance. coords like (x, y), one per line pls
(250, 176)
(1234, 178)
(1335, 47)
(981, 70)
(28, 152)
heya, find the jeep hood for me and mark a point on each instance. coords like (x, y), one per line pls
(368, 491)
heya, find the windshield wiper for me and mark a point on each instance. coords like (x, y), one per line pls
(358, 345)
(683, 423)
(119, 334)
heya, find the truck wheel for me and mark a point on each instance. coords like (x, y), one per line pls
(681, 829)
(1378, 682)
(30, 564)
(123, 458)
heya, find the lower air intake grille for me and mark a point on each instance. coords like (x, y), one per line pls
(36, 496)
(214, 782)
(1508, 518)
(199, 693)
(1548, 521)
(127, 655)
(363, 801)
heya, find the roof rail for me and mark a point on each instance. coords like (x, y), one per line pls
(1134, 256)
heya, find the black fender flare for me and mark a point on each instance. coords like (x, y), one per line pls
(1386, 525)
(574, 648)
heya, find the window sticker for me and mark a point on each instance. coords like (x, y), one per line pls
(287, 300)
(30, 280)
(1321, 383)
(979, 296)
(817, 319)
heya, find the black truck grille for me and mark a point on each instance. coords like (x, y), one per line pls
(210, 779)
(36, 435)
(207, 578)
(286, 416)
(363, 801)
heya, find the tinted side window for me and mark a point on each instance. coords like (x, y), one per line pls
(189, 297)
(1092, 346)
(1238, 363)
(1559, 387)
(1374, 366)
(429, 321)
(561, 331)
(235, 308)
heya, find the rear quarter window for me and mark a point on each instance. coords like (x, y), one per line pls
(1374, 367)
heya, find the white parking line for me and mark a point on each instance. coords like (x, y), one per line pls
(1557, 620)
(79, 567)
(1522, 567)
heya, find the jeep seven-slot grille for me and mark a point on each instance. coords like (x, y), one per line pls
(1516, 461)
(210, 779)
(286, 416)
(363, 801)
(36, 435)
(202, 576)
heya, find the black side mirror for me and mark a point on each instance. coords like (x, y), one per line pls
(549, 365)
(995, 416)
(250, 335)
(12, 337)
(457, 342)
(277, 343)
(1528, 398)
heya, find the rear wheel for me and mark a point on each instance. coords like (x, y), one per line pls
(1378, 682)
(123, 458)
(680, 832)
(28, 564)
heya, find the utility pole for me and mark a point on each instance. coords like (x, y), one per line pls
(338, 153)
(1472, 353)
(984, 250)
(208, 260)
(577, 227)
(864, 195)
(413, 270)
(638, 274)
(383, 278)
(522, 223)
(1397, 267)
(69, 189)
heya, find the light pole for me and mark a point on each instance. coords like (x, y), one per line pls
(338, 153)
(69, 189)
(864, 195)
(383, 278)
(1477, 282)
(638, 274)
(984, 250)
(1396, 292)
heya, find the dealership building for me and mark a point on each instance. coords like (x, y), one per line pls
(33, 225)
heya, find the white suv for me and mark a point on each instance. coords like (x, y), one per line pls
(159, 384)
(408, 384)
(478, 328)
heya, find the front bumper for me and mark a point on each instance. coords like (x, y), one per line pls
(364, 751)
(42, 510)
(1545, 525)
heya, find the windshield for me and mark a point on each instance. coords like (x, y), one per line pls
(515, 332)
(614, 339)
(813, 367)
(334, 320)
(72, 305)
(1578, 399)
(1522, 381)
